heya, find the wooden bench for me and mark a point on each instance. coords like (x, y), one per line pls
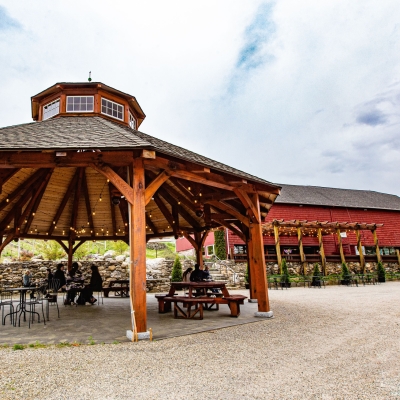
(205, 302)
(121, 288)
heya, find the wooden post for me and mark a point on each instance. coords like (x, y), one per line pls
(339, 237)
(257, 265)
(138, 246)
(249, 258)
(278, 248)
(377, 250)
(199, 249)
(359, 247)
(70, 254)
(322, 251)
(302, 255)
(398, 256)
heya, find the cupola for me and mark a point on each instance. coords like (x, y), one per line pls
(87, 99)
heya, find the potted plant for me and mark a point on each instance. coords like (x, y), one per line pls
(246, 278)
(285, 279)
(381, 272)
(346, 276)
(316, 278)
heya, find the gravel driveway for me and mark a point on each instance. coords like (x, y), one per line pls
(333, 343)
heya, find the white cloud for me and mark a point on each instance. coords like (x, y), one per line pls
(294, 92)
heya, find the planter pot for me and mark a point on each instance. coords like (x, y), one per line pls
(381, 279)
(286, 284)
(345, 282)
(247, 285)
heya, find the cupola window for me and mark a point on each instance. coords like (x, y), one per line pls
(51, 109)
(132, 121)
(80, 103)
(112, 109)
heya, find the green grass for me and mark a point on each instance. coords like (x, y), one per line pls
(91, 341)
(18, 347)
(169, 252)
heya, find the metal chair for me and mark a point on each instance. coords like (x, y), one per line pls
(52, 296)
(6, 299)
(32, 303)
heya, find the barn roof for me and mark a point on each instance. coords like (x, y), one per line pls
(325, 196)
(82, 133)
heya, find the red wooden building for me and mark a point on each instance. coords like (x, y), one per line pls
(312, 203)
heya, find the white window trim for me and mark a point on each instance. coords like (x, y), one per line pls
(133, 117)
(112, 116)
(66, 105)
(48, 104)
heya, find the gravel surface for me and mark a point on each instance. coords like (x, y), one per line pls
(333, 343)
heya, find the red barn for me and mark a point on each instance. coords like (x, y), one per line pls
(312, 203)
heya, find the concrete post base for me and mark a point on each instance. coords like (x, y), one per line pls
(264, 314)
(252, 300)
(141, 335)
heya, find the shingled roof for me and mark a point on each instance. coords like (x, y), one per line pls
(324, 196)
(77, 133)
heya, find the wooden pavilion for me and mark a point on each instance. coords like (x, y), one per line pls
(84, 172)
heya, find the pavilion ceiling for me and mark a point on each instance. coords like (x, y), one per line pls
(70, 198)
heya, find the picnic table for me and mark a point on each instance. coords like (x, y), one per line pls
(119, 286)
(200, 295)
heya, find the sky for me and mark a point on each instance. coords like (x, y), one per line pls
(295, 92)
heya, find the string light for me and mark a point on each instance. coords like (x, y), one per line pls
(7, 200)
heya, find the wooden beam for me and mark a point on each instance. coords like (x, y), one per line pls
(278, 248)
(167, 215)
(257, 265)
(181, 210)
(85, 190)
(231, 210)
(112, 206)
(63, 203)
(78, 245)
(340, 243)
(246, 201)
(321, 251)
(22, 187)
(376, 242)
(138, 247)
(61, 243)
(36, 203)
(191, 240)
(75, 206)
(150, 224)
(34, 159)
(8, 239)
(301, 249)
(5, 175)
(360, 252)
(116, 180)
(233, 228)
(155, 185)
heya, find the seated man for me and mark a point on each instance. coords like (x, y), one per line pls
(197, 274)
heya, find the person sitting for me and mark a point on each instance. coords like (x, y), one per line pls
(50, 275)
(206, 274)
(59, 276)
(186, 275)
(95, 285)
(197, 274)
(27, 281)
(74, 275)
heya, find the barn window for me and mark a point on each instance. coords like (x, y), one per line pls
(51, 109)
(112, 109)
(80, 103)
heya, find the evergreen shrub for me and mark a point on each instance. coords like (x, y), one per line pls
(177, 274)
(220, 245)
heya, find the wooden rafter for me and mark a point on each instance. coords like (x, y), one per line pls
(230, 210)
(87, 203)
(112, 206)
(155, 185)
(75, 205)
(22, 187)
(116, 180)
(61, 243)
(150, 224)
(64, 202)
(245, 199)
(164, 210)
(5, 175)
(36, 203)
(233, 228)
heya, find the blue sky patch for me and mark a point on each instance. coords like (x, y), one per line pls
(6, 22)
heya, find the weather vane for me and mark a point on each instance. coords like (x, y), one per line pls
(90, 76)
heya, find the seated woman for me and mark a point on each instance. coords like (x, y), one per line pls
(73, 276)
(96, 285)
(59, 277)
(186, 275)
(27, 281)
